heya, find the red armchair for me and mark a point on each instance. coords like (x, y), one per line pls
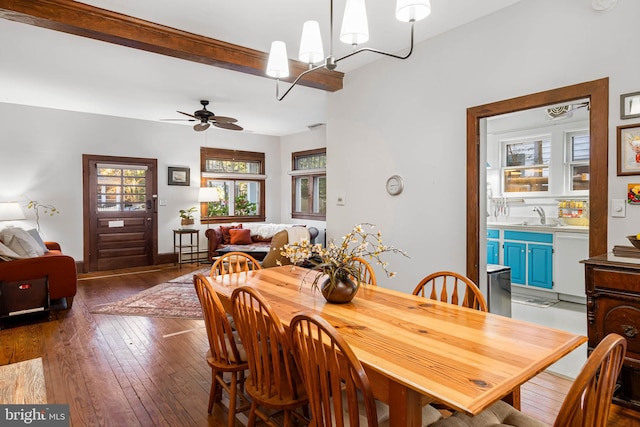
(59, 268)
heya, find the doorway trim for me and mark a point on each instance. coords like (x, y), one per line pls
(598, 93)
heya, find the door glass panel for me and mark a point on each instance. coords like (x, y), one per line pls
(121, 189)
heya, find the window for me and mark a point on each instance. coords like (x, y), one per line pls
(121, 188)
(309, 184)
(239, 180)
(577, 146)
(526, 165)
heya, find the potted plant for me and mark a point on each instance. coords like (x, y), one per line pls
(46, 209)
(186, 216)
(337, 262)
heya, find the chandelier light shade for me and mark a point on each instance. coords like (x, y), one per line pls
(311, 50)
(278, 63)
(11, 211)
(355, 26)
(354, 31)
(412, 10)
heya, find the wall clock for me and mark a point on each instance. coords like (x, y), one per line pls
(395, 185)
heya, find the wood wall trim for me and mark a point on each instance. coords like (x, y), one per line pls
(598, 93)
(100, 24)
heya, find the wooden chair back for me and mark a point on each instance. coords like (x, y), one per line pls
(365, 270)
(273, 379)
(331, 372)
(219, 331)
(234, 262)
(589, 399)
(443, 286)
(225, 353)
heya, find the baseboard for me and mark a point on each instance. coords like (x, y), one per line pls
(536, 293)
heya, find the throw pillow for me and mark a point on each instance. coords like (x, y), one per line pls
(224, 230)
(6, 252)
(19, 241)
(274, 257)
(36, 236)
(240, 236)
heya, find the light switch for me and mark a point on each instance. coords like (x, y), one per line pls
(618, 208)
(163, 202)
(340, 201)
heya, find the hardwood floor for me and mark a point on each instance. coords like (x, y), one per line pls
(142, 371)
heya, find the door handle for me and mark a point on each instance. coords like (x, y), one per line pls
(630, 331)
(148, 204)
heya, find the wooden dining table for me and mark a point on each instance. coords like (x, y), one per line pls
(416, 350)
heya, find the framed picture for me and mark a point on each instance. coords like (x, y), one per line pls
(179, 176)
(633, 194)
(630, 105)
(629, 150)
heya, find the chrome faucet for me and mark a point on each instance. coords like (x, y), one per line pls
(540, 211)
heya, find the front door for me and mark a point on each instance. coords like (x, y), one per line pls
(120, 195)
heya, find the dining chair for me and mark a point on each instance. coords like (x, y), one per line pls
(586, 405)
(273, 382)
(234, 262)
(226, 353)
(339, 389)
(443, 286)
(367, 275)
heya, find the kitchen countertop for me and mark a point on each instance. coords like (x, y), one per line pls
(538, 227)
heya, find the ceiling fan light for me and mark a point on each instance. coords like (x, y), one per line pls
(278, 63)
(412, 10)
(311, 50)
(355, 27)
(199, 127)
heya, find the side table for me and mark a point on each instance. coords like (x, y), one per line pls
(191, 248)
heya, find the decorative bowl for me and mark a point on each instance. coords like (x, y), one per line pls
(634, 241)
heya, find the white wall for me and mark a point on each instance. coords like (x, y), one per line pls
(309, 140)
(41, 157)
(409, 117)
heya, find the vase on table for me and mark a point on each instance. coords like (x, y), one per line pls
(339, 290)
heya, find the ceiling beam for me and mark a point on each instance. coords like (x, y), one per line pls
(101, 24)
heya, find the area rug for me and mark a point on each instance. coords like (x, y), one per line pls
(176, 298)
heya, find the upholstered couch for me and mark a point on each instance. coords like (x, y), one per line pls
(251, 238)
(49, 262)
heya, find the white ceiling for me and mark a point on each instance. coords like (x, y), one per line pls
(51, 69)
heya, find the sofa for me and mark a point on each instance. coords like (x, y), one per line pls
(252, 238)
(48, 261)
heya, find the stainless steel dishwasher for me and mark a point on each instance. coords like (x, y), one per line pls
(499, 289)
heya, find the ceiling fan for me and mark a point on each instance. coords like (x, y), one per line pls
(206, 118)
(565, 111)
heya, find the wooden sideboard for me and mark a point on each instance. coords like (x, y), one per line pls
(613, 305)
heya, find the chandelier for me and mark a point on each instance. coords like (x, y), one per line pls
(354, 31)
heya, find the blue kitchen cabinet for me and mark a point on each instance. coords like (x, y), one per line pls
(540, 259)
(493, 247)
(530, 256)
(515, 257)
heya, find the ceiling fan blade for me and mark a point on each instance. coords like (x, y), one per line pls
(199, 127)
(177, 120)
(187, 114)
(230, 126)
(222, 119)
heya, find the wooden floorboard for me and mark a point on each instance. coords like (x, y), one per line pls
(143, 371)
